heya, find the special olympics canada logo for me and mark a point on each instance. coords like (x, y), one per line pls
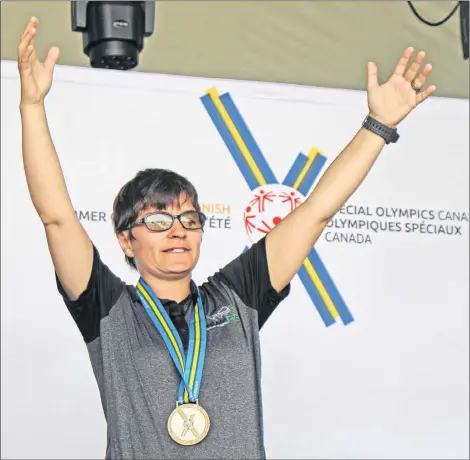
(268, 206)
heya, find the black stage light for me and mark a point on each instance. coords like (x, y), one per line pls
(113, 32)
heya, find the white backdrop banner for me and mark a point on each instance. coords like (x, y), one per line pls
(367, 358)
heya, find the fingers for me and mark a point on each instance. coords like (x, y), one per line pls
(27, 54)
(26, 49)
(403, 62)
(420, 80)
(411, 73)
(51, 58)
(26, 41)
(33, 22)
(26, 45)
(372, 76)
(425, 94)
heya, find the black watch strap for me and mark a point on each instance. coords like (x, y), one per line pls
(385, 132)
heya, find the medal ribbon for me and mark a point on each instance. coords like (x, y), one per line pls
(190, 367)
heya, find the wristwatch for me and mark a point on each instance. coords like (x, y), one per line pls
(385, 132)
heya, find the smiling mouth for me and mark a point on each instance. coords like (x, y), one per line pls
(176, 250)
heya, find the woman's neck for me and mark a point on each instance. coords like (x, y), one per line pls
(174, 289)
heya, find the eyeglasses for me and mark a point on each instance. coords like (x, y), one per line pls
(162, 221)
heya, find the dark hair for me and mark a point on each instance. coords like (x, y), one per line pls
(150, 188)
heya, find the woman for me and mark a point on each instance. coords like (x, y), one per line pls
(178, 365)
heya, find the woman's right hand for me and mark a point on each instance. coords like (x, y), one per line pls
(36, 76)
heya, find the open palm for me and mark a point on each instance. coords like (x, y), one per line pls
(36, 76)
(394, 100)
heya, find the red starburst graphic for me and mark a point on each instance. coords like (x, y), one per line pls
(261, 199)
(249, 226)
(268, 206)
(291, 197)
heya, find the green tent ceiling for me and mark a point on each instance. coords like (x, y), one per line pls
(309, 43)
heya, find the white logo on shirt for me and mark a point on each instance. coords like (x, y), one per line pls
(223, 317)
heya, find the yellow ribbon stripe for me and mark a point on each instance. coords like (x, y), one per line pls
(192, 375)
(196, 347)
(162, 321)
(214, 95)
(173, 341)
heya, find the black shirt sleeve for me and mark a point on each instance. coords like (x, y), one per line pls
(248, 275)
(96, 301)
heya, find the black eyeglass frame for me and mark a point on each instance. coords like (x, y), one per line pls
(143, 221)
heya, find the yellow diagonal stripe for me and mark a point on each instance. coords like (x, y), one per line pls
(311, 157)
(321, 289)
(214, 95)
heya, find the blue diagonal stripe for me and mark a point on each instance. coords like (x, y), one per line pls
(315, 296)
(248, 139)
(330, 287)
(229, 142)
(295, 170)
(312, 174)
